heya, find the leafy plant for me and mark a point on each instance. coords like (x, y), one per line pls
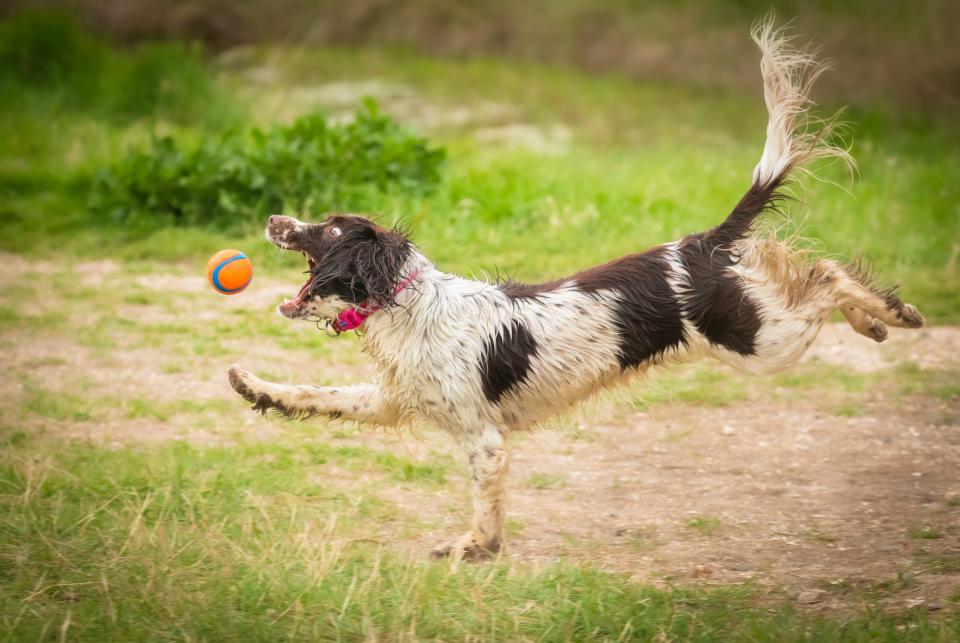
(313, 164)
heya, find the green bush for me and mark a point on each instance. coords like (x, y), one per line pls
(312, 164)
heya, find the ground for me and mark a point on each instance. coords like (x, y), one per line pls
(827, 484)
(141, 499)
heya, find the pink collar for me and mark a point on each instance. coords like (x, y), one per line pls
(353, 318)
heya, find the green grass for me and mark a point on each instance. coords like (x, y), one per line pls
(849, 409)
(547, 481)
(230, 544)
(57, 405)
(633, 175)
(708, 387)
(706, 525)
(264, 540)
(925, 533)
(940, 564)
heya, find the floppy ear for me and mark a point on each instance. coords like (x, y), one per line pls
(363, 265)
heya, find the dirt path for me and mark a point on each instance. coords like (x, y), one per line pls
(785, 495)
(780, 491)
(829, 509)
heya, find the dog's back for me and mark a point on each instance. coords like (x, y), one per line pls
(748, 300)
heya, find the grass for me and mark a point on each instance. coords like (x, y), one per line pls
(706, 525)
(925, 533)
(267, 538)
(259, 540)
(547, 481)
(632, 175)
(701, 386)
(57, 405)
(819, 535)
(178, 542)
(941, 564)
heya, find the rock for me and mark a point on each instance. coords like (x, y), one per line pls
(811, 596)
(739, 566)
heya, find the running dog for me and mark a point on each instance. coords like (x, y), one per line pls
(482, 360)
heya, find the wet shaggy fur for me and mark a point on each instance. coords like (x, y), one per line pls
(362, 265)
(482, 360)
(506, 360)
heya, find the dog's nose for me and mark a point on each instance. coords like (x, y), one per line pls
(280, 225)
(281, 221)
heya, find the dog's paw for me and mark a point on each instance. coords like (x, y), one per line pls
(242, 382)
(441, 551)
(877, 331)
(246, 385)
(467, 547)
(910, 316)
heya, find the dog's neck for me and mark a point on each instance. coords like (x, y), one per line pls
(394, 328)
(416, 271)
(353, 318)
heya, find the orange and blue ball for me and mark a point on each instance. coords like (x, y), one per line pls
(229, 271)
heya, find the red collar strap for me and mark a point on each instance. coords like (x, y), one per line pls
(353, 318)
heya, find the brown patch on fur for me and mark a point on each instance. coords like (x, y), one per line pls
(861, 271)
(520, 290)
(647, 316)
(796, 272)
(757, 200)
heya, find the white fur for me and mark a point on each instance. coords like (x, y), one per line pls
(428, 349)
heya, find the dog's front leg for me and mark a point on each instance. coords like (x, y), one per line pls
(489, 463)
(361, 402)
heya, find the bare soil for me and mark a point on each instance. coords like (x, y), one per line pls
(787, 496)
(784, 494)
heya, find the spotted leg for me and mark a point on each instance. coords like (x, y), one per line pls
(364, 403)
(489, 463)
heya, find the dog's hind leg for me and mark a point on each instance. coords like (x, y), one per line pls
(489, 462)
(862, 304)
(865, 323)
(361, 402)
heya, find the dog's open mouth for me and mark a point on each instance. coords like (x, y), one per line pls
(294, 308)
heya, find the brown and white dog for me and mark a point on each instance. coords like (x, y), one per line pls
(482, 360)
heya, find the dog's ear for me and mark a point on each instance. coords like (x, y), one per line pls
(378, 261)
(363, 265)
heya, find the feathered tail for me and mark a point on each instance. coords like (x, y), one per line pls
(794, 137)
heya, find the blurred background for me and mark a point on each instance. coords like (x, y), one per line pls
(481, 119)
(140, 499)
(901, 53)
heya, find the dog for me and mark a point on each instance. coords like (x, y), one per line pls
(482, 360)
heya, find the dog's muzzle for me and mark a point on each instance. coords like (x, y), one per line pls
(279, 228)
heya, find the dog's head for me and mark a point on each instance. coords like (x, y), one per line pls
(351, 261)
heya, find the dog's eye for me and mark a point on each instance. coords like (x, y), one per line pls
(334, 232)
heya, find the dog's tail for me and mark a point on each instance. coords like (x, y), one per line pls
(794, 137)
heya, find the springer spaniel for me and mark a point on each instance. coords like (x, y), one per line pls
(482, 360)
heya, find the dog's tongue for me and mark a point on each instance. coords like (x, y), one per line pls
(291, 308)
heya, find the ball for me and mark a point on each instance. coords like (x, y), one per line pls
(229, 271)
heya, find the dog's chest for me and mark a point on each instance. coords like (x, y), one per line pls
(429, 379)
